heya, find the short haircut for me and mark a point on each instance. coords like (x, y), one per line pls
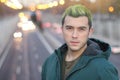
(76, 11)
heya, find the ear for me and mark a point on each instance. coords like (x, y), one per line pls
(91, 31)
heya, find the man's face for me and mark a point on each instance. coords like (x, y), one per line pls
(76, 32)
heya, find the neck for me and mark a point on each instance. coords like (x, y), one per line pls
(72, 54)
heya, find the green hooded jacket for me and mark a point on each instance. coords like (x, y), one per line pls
(92, 65)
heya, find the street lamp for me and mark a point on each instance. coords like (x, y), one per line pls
(92, 1)
(75, 0)
(111, 9)
(62, 2)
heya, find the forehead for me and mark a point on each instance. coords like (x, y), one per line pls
(82, 20)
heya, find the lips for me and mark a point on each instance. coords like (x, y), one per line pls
(74, 42)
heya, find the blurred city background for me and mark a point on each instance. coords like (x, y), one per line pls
(25, 43)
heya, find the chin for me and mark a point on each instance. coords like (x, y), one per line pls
(75, 48)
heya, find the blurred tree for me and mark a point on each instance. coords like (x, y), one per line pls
(98, 6)
(6, 11)
(116, 5)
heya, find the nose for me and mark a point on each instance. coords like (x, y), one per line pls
(75, 34)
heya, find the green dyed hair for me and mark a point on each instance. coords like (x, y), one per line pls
(76, 11)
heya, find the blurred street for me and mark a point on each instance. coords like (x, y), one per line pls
(22, 57)
(24, 46)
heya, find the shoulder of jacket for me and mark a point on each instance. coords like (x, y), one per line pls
(106, 70)
(101, 62)
(51, 58)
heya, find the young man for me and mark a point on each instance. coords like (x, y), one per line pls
(81, 57)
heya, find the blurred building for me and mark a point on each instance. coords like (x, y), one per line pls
(94, 5)
(99, 6)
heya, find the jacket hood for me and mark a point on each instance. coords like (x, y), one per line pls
(97, 48)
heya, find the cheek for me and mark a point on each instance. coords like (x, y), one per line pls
(84, 35)
(66, 36)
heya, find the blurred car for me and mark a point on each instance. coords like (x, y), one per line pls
(18, 34)
(115, 49)
(28, 26)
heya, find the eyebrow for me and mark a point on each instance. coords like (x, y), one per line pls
(77, 27)
(68, 26)
(82, 27)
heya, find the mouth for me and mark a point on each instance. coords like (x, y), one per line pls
(74, 42)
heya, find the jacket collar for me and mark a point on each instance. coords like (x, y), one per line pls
(94, 48)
